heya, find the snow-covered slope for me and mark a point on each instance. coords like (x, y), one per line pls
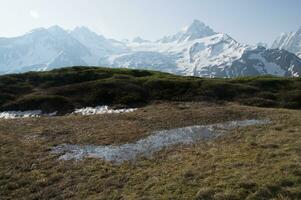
(290, 42)
(197, 50)
(188, 57)
(196, 30)
(41, 47)
(99, 46)
(260, 61)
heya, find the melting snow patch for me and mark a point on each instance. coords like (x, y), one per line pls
(23, 114)
(83, 111)
(153, 143)
(101, 110)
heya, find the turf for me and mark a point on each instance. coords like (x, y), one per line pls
(258, 162)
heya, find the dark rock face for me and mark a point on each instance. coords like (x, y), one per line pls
(260, 61)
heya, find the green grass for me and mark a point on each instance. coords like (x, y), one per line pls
(91, 86)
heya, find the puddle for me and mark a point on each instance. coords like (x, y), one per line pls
(101, 110)
(24, 114)
(153, 143)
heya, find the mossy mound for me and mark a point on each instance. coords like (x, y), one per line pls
(68, 88)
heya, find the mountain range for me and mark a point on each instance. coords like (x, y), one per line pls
(197, 50)
(290, 42)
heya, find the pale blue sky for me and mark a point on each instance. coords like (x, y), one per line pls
(248, 21)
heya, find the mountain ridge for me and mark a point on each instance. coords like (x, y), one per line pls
(290, 41)
(196, 50)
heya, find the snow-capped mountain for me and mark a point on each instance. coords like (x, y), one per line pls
(290, 42)
(197, 50)
(261, 61)
(99, 47)
(196, 30)
(52, 47)
(188, 57)
(43, 49)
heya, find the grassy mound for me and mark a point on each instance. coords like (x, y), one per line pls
(69, 88)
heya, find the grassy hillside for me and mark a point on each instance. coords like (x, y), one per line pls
(65, 89)
(256, 162)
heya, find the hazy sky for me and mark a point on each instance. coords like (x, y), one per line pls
(248, 21)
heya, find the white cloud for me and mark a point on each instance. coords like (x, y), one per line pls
(34, 14)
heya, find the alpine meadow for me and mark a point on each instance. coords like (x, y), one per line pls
(138, 99)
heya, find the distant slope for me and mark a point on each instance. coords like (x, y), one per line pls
(65, 89)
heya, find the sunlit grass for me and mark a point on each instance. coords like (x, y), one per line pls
(258, 162)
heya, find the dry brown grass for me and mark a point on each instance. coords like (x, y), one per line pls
(260, 162)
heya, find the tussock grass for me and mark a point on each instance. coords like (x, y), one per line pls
(258, 162)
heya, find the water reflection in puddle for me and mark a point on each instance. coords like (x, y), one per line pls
(153, 143)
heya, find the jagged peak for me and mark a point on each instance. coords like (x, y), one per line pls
(56, 28)
(83, 29)
(196, 30)
(38, 32)
(198, 27)
(51, 29)
(57, 31)
(196, 24)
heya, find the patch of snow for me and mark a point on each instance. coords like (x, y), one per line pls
(83, 111)
(292, 71)
(151, 144)
(101, 110)
(24, 114)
